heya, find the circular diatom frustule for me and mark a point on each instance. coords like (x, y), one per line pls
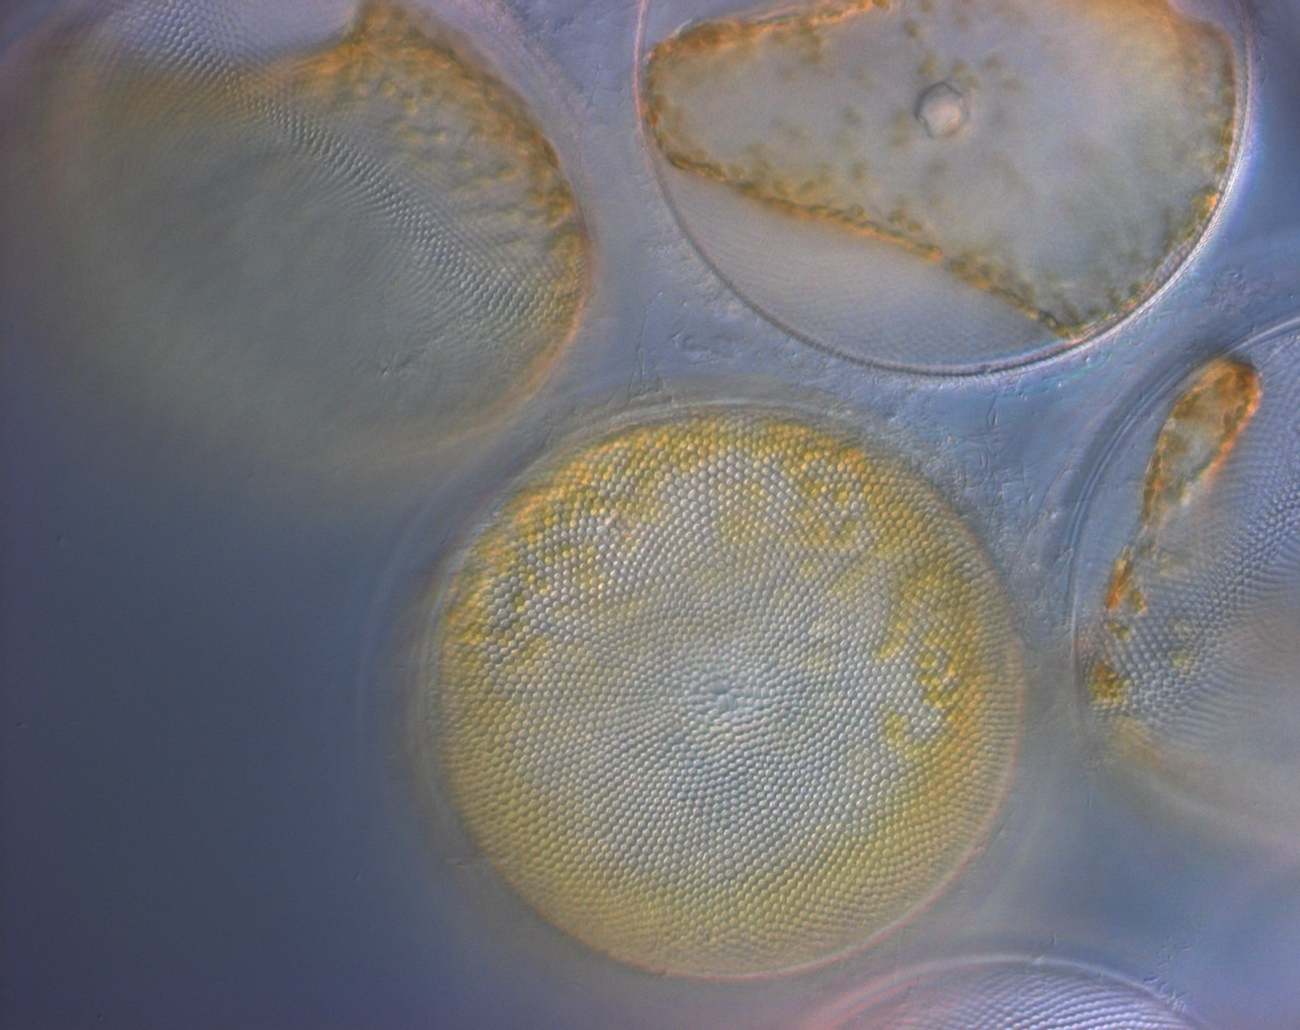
(363, 248)
(1061, 156)
(994, 994)
(724, 693)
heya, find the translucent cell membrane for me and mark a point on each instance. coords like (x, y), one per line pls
(368, 245)
(724, 693)
(1059, 154)
(1189, 653)
(1000, 995)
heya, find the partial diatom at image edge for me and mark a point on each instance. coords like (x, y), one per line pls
(723, 694)
(994, 993)
(1186, 652)
(366, 248)
(1197, 436)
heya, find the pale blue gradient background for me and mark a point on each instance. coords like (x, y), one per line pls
(208, 819)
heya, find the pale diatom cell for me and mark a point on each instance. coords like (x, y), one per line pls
(725, 693)
(1000, 994)
(368, 245)
(1189, 660)
(1060, 154)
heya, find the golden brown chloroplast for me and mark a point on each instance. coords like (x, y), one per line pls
(1059, 153)
(723, 693)
(1188, 653)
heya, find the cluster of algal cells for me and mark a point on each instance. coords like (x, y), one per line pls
(997, 994)
(370, 246)
(1060, 154)
(725, 693)
(1189, 657)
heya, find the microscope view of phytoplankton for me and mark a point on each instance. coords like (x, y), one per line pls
(1190, 671)
(1059, 153)
(1008, 995)
(369, 241)
(725, 693)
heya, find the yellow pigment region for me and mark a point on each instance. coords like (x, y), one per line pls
(1198, 434)
(372, 240)
(1157, 635)
(1059, 153)
(677, 733)
(1104, 686)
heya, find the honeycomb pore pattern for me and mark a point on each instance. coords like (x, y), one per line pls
(724, 693)
(367, 245)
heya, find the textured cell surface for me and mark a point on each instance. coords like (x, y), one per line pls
(725, 693)
(1199, 433)
(1061, 154)
(1190, 664)
(370, 243)
(1005, 995)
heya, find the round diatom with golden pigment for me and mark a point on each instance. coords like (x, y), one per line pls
(1001, 994)
(1188, 652)
(367, 244)
(1058, 153)
(725, 693)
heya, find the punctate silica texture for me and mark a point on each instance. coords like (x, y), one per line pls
(1005, 994)
(1139, 676)
(723, 693)
(1188, 654)
(1063, 154)
(1197, 437)
(369, 245)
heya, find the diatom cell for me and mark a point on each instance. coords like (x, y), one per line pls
(1060, 154)
(1188, 653)
(997, 994)
(368, 245)
(724, 693)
